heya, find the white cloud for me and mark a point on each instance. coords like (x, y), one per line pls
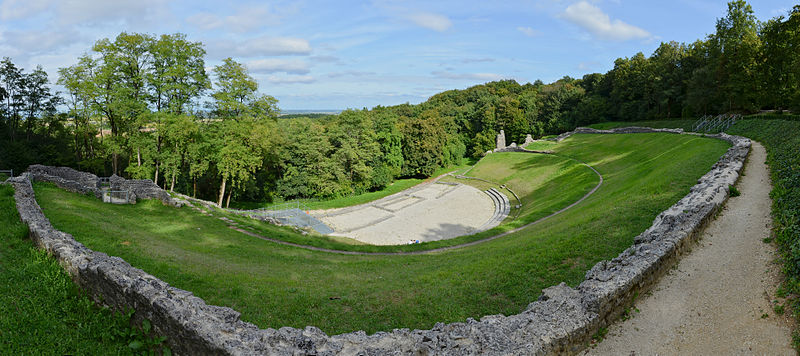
(468, 76)
(594, 20)
(292, 79)
(36, 42)
(205, 21)
(430, 21)
(259, 47)
(527, 31)
(245, 20)
(104, 11)
(17, 9)
(350, 73)
(274, 65)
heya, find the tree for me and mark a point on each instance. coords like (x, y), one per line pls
(244, 115)
(12, 81)
(178, 73)
(423, 140)
(734, 48)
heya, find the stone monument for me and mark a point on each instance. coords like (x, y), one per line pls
(501, 140)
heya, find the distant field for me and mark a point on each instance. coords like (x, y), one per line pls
(275, 285)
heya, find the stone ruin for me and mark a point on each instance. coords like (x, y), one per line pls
(528, 139)
(501, 140)
(561, 321)
(86, 183)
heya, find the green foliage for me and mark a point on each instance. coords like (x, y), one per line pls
(782, 140)
(733, 191)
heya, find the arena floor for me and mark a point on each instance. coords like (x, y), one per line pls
(429, 212)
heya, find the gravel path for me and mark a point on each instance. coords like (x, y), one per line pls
(717, 301)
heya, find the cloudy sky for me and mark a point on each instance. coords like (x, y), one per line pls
(354, 54)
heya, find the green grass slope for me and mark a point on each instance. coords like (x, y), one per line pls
(274, 285)
(544, 183)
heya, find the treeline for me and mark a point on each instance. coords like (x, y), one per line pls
(143, 106)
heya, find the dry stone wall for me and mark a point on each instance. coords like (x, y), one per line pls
(86, 183)
(560, 322)
(67, 178)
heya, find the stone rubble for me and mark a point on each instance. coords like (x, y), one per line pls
(562, 321)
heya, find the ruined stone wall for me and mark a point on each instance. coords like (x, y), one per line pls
(67, 178)
(86, 183)
(560, 322)
(142, 189)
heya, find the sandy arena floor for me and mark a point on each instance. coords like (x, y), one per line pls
(426, 213)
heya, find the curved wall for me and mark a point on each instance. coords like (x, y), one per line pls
(561, 321)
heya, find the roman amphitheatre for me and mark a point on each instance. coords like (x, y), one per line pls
(573, 205)
(536, 184)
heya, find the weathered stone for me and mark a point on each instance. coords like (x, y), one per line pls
(501, 140)
(528, 139)
(560, 322)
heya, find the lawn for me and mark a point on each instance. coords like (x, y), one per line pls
(41, 309)
(543, 183)
(274, 285)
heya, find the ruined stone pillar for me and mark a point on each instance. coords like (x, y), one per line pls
(501, 140)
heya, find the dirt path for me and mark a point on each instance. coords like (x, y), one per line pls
(717, 301)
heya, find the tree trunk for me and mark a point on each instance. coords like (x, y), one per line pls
(155, 179)
(172, 185)
(221, 192)
(114, 162)
(194, 185)
(228, 203)
(138, 157)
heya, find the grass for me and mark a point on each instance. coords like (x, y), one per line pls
(274, 285)
(544, 183)
(540, 145)
(315, 204)
(41, 309)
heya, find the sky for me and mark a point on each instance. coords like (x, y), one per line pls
(331, 55)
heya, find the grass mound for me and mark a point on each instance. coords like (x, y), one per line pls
(274, 285)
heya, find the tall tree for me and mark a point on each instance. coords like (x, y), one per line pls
(734, 48)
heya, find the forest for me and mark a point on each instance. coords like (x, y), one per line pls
(143, 106)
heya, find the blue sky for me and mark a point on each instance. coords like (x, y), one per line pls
(354, 54)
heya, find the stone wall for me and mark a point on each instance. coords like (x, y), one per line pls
(142, 189)
(86, 183)
(560, 322)
(67, 178)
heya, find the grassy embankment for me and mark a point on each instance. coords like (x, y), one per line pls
(274, 285)
(41, 310)
(544, 183)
